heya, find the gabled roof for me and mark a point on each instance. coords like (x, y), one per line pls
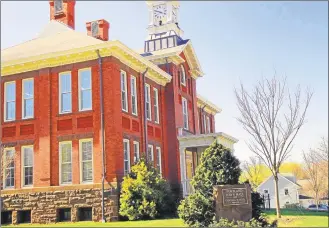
(55, 37)
(280, 175)
(173, 54)
(59, 45)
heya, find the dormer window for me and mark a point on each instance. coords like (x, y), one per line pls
(183, 76)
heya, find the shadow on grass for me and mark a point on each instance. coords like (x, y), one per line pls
(296, 212)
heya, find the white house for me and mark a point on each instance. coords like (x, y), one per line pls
(288, 190)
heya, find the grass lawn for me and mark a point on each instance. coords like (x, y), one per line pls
(300, 218)
(290, 218)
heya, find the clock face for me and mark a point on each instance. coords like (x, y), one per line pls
(159, 13)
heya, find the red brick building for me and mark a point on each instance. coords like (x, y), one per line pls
(76, 105)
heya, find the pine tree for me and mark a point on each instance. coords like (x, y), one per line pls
(218, 166)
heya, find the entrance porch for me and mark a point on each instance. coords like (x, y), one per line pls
(190, 150)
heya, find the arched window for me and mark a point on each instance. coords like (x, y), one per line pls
(182, 76)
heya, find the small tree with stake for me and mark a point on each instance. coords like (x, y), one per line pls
(272, 124)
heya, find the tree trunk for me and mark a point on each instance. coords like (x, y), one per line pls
(277, 199)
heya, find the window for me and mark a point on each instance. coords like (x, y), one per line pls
(183, 76)
(126, 156)
(65, 158)
(136, 151)
(133, 95)
(208, 124)
(85, 91)
(85, 214)
(185, 113)
(27, 160)
(65, 92)
(28, 98)
(6, 217)
(204, 124)
(9, 166)
(10, 101)
(86, 155)
(164, 43)
(266, 191)
(151, 46)
(156, 105)
(286, 191)
(64, 215)
(159, 164)
(124, 103)
(171, 42)
(150, 155)
(148, 101)
(157, 44)
(24, 216)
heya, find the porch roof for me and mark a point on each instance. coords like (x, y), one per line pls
(201, 140)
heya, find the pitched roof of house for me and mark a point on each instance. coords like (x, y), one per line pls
(58, 45)
(55, 37)
(282, 175)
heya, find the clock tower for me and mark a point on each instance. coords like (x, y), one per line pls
(163, 30)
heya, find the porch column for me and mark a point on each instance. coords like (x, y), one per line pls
(183, 169)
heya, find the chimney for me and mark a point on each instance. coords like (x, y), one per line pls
(63, 11)
(98, 29)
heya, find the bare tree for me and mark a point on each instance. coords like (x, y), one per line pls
(315, 176)
(252, 171)
(322, 150)
(273, 117)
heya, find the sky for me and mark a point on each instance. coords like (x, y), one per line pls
(234, 41)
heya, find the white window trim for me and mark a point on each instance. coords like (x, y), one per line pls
(4, 176)
(152, 154)
(138, 155)
(60, 92)
(125, 90)
(80, 90)
(148, 92)
(133, 98)
(23, 100)
(157, 120)
(5, 101)
(159, 162)
(128, 157)
(92, 159)
(183, 76)
(60, 163)
(23, 166)
(187, 122)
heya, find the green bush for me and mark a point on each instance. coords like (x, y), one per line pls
(217, 166)
(144, 193)
(196, 210)
(227, 223)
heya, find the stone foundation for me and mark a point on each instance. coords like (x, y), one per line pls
(44, 205)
